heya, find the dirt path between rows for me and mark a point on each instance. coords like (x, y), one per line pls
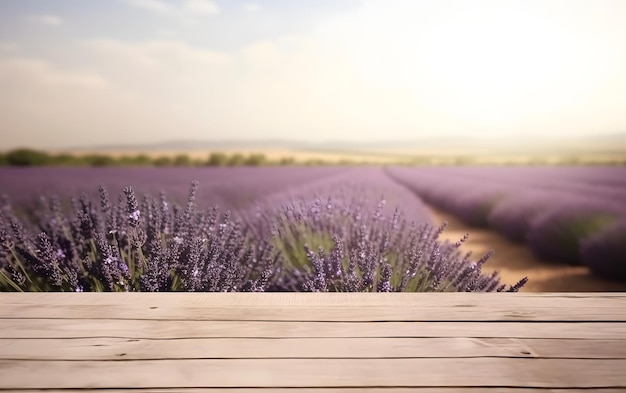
(515, 261)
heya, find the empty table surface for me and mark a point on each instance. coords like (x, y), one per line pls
(317, 342)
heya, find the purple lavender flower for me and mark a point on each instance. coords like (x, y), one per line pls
(132, 208)
(361, 243)
(382, 252)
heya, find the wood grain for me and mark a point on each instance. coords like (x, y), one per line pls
(314, 373)
(278, 342)
(486, 312)
(345, 299)
(163, 329)
(343, 390)
(319, 348)
(362, 307)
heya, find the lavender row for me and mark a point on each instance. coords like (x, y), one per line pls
(344, 241)
(599, 182)
(231, 188)
(552, 180)
(556, 224)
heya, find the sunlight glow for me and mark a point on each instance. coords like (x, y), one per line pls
(488, 63)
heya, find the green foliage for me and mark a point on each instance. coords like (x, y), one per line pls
(27, 157)
(287, 161)
(66, 160)
(217, 159)
(256, 160)
(182, 160)
(163, 161)
(291, 244)
(99, 160)
(237, 159)
(571, 235)
(558, 237)
(31, 157)
(138, 160)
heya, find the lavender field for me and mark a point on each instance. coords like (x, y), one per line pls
(300, 229)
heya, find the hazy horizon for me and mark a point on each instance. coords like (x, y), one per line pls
(130, 72)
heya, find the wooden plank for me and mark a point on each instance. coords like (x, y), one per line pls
(485, 312)
(345, 390)
(311, 348)
(345, 299)
(325, 306)
(314, 373)
(157, 329)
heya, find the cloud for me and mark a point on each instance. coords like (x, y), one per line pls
(167, 33)
(48, 20)
(252, 7)
(185, 8)
(9, 46)
(49, 106)
(157, 6)
(148, 90)
(201, 7)
(43, 74)
(157, 54)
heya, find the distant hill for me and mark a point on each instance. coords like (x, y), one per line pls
(615, 142)
(272, 144)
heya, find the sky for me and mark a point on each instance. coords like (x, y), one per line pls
(83, 73)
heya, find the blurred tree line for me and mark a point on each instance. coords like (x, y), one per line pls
(29, 157)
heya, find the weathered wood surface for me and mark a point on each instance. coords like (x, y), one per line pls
(322, 343)
(361, 307)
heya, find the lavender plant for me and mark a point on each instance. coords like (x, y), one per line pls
(475, 207)
(512, 217)
(130, 246)
(342, 244)
(457, 195)
(605, 252)
(556, 233)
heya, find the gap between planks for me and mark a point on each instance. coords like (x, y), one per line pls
(484, 389)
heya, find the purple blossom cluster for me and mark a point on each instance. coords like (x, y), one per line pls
(342, 244)
(555, 212)
(342, 238)
(365, 232)
(131, 245)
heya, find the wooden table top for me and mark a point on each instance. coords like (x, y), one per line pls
(322, 342)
